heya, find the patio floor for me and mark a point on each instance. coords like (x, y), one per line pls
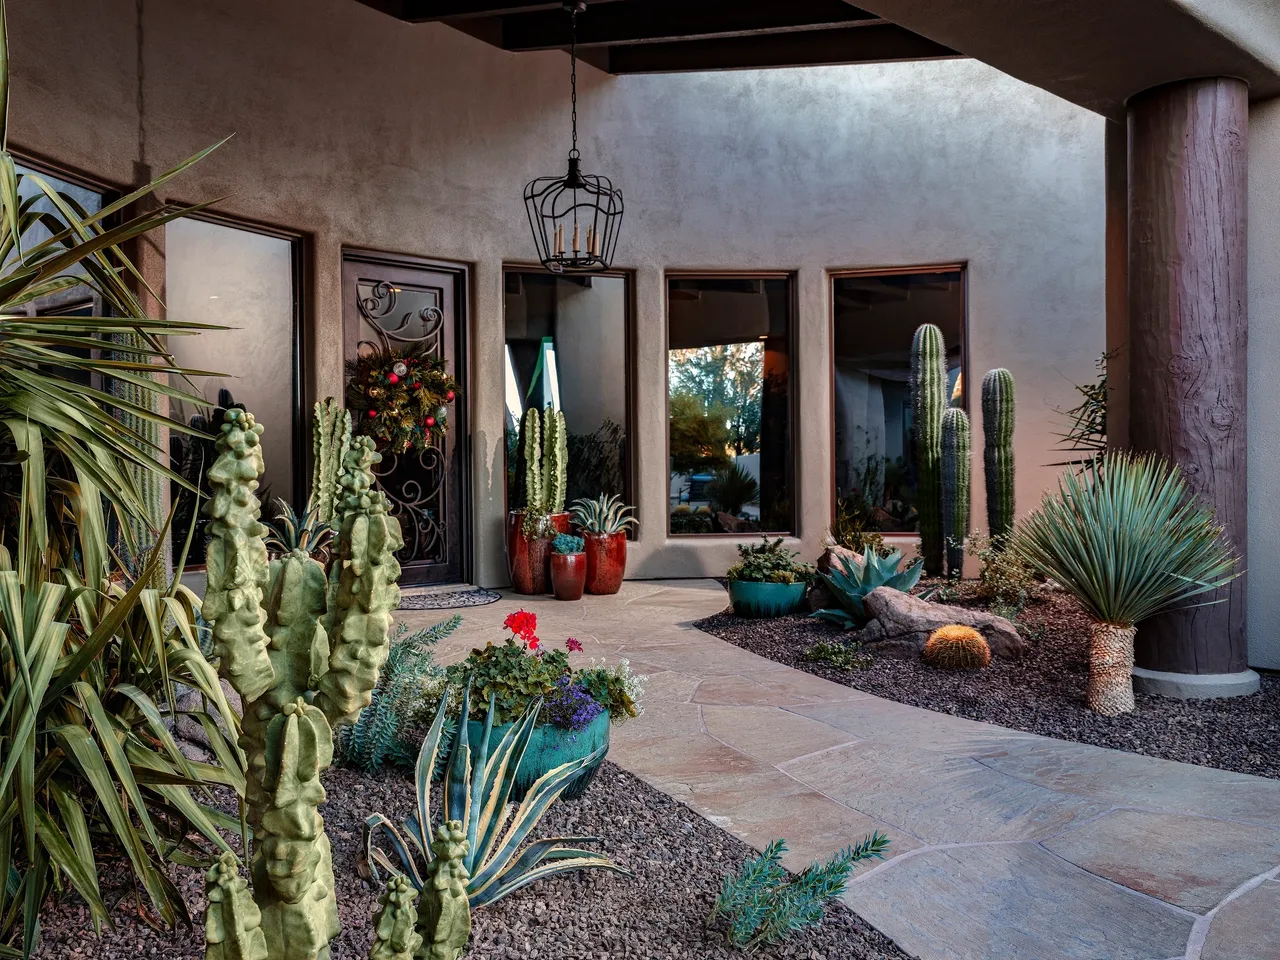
(1005, 844)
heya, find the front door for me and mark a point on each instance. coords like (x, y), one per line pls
(390, 303)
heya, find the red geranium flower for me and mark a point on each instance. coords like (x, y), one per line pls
(573, 645)
(522, 623)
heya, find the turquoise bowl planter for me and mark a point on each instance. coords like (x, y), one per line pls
(762, 600)
(550, 747)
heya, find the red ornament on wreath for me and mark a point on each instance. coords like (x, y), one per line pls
(399, 396)
(430, 421)
(449, 396)
(392, 378)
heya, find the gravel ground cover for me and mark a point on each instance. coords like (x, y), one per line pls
(1041, 693)
(678, 858)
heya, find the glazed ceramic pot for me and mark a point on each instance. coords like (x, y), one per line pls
(528, 558)
(568, 575)
(606, 561)
(549, 747)
(761, 600)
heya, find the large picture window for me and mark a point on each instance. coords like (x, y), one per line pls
(729, 403)
(567, 347)
(876, 316)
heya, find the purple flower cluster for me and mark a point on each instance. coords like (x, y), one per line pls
(570, 707)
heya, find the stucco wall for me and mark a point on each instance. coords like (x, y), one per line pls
(363, 131)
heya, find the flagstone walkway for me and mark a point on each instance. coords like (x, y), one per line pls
(1005, 845)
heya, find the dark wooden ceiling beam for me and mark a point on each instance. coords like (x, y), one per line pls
(873, 43)
(426, 11)
(667, 20)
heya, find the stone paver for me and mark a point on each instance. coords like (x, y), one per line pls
(1005, 845)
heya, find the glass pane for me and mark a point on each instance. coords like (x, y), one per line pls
(729, 382)
(404, 313)
(567, 346)
(240, 279)
(875, 320)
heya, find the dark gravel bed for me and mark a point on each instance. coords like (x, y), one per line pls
(678, 858)
(1041, 693)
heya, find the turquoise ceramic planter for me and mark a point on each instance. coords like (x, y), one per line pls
(762, 600)
(550, 747)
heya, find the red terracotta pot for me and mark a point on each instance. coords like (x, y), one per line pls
(528, 558)
(606, 561)
(568, 575)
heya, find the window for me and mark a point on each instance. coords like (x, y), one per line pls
(876, 316)
(729, 404)
(243, 279)
(567, 346)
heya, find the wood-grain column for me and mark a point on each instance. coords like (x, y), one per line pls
(1188, 329)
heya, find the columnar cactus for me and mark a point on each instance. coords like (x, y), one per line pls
(956, 471)
(997, 454)
(332, 438)
(555, 459)
(395, 934)
(532, 459)
(444, 916)
(232, 924)
(928, 400)
(304, 651)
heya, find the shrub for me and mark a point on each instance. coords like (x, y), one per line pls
(731, 488)
(1005, 580)
(849, 530)
(851, 579)
(769, 562)
(763, 904)
(955, 647)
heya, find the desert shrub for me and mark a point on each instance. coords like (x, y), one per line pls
(769, 562)
(955, 647)
(850, 529)
(1005, 580)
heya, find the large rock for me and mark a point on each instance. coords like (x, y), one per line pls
(834, 554)
(901, 624)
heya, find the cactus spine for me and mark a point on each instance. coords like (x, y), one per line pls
(997, 453)
(956, 469)
(928, 400)
(304, 651)
(332, 438)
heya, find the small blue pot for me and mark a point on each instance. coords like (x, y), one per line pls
(764, 600)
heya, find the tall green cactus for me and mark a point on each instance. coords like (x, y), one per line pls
(331, 427)
(956, 469)
(928, 400)
(303, 650)
(533, 459)
(555, 459)
(150, 484)
(997, 453)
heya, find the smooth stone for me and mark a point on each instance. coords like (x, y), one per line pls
(905, 619)
(1247, 928)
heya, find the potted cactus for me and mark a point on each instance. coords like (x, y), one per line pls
(568, 567)
(767, 581)
(603, 523)
(543, 478)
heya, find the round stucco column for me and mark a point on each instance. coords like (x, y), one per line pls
(1188, 334)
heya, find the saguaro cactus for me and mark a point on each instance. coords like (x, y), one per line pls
(997, 453)
(304, 651)
(928, 400)
(956, 470)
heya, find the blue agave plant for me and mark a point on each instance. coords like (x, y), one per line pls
(851, 580)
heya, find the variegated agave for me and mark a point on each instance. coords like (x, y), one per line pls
(290, 532)
(605, 514)
(477, 786)
(851, 580)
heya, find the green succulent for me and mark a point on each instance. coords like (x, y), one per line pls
(564, 543)
(851, 579)
(769, 562)
(293, 531)
(605, 514)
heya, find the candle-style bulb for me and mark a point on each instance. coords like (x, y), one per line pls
(576, 243)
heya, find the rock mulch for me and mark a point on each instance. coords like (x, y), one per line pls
(1041, 692)
(678, 858)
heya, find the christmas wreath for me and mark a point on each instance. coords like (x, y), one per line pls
(398, 397)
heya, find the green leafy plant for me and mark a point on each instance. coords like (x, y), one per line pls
(851, 579)
(615, 688)
(731, 488)
(1128, 540)
(1005, 580)
(698, 438)
(385, 731)
(605, 514)
(764, 904)
(842, 656)
(564, 543)
(769, 562)
(475, 794)
(849, 529)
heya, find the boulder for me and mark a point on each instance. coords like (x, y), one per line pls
(834, 553)
(901, 624)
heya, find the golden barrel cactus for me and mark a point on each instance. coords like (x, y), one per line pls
(957, 648)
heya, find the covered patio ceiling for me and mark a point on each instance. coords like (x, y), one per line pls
(665, 36)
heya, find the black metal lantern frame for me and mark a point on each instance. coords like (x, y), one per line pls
(574, 218)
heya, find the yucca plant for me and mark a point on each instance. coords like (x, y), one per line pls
(476, 789)
(731, 488)
(851, 579)
(605, 514)
(1127, 539)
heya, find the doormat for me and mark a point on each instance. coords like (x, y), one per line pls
(450, 600)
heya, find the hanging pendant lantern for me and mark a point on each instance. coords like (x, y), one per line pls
(574, 218)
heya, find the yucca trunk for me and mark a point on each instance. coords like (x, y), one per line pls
(1110, 668)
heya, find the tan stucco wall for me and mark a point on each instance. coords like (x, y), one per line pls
(362, 131)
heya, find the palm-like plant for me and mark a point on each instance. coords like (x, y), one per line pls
(851, 579)
(731, 488)
(477, 786)
(605, 514)
(1128, 540)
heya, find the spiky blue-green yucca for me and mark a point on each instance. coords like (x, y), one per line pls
(851, 579)
(928, 400)
(997, 451)
(956, 471)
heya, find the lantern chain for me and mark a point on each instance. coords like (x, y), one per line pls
(573, 76)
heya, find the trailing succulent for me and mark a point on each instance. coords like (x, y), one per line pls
(851, 579)
(769, 562)
(764, 904)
